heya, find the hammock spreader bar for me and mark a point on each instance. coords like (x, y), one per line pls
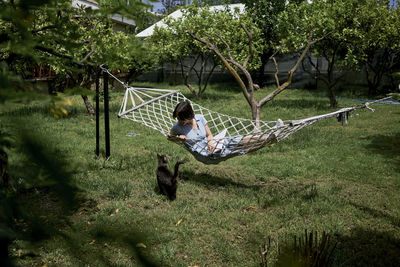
(146, 103)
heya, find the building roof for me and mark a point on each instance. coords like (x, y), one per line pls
(177, 14)
(94, 5)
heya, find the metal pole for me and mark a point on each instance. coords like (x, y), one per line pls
(106, 115)
(97, 113)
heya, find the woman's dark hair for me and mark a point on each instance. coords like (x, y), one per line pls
(183, 111)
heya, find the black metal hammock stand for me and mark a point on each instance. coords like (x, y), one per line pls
(232, 136)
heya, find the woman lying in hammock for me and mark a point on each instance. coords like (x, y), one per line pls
(193, 131)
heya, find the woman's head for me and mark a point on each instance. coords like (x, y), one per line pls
(183, 111)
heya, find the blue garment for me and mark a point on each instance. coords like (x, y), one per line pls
(196, 139)
(197, 142)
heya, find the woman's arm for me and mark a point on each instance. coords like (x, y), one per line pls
(176, 138)
(210, 139)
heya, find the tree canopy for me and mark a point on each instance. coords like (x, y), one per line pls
(237, 41)
(174, 42)
(71, 41)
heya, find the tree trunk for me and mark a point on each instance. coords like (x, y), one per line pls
(332, 99)
(201, 90)
(331, 84)
(173, 80)
(373, 80)
(248, 91)
(186, 75)
(255, 113)
(88, 105)
(160, 73)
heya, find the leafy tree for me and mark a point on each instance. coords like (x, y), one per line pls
(265, 14)
(378, 46)
(358, 34)
(337, 47)
(39, 167)
(73, 42)
(236, 41)
(131, 9)
(173, 44)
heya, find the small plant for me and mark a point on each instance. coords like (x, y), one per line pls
(307, 251)
(266, 248)
(303, 251)
(312, 193)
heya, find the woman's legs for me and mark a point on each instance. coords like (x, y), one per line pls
(252, 142)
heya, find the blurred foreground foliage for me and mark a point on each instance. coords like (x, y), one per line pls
(71, 42)
(37, 190)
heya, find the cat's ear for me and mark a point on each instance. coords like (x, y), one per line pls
(158, 155)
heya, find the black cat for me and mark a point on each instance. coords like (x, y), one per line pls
(167, 182)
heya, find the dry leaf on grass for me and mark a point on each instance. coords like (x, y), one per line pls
(140, 245)
(179, 221)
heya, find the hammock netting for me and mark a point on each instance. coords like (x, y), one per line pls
(153, 108)
(233, 136)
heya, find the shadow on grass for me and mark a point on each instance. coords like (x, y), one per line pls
(43, 110)
(212, 96)
(377, 214)
(105, 237)
(86, 244)
(275, 195)
(385, 145)
(300, 104)
(225, 87)
(367, 248)
(212, 180)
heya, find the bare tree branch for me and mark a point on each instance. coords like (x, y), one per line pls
(91, 45)
(43, 29)
(208, 77)
(227, 46)
(290, 76)
(250, 36)
(276, 72)
(225, 62)
(88, 54)
(318, 76)
(55, 53)
(185, 77)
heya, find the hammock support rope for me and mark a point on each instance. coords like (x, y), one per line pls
(153, 108)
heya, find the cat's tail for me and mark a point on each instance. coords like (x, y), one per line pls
(177, 168)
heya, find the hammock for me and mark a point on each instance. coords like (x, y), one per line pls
(232, 136)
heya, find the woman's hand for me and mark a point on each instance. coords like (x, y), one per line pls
(210, 138)
(176, 138)
(211, 145)
(182, 138)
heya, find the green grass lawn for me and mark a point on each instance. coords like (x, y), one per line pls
(343, 180)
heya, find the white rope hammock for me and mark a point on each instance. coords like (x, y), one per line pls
(153, 108)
